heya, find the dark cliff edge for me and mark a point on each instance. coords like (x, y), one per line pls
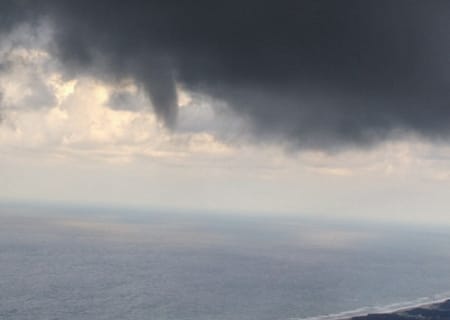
(437, 311)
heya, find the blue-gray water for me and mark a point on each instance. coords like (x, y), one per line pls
(81, 263)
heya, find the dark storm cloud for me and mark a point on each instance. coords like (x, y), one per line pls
(316, 73)
(10, 13)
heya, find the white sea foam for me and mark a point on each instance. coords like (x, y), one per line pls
(394, 307)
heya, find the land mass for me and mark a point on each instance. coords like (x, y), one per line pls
(436, 311)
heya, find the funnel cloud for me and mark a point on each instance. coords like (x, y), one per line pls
(315, 74)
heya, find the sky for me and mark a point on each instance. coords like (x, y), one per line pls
(304, 107)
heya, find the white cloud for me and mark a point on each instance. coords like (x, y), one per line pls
(45, 112)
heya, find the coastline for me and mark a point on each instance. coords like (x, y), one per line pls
(410, 310)
(434, 311)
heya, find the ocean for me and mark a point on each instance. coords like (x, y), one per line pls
(73, 263)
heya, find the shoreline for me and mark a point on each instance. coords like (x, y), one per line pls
(433, 311)
(387, 311)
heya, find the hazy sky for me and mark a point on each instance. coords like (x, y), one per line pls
(318, 107)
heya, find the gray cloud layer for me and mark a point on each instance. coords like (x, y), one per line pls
(315, 73)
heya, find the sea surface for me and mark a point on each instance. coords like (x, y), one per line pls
(74, 263)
